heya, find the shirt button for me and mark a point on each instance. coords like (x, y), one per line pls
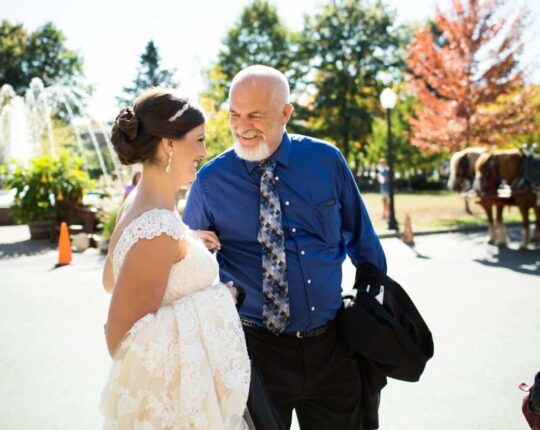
(302, 252)
(287, 203)
(277, 178)
(309, 281)
(293, 230)
(313, 308)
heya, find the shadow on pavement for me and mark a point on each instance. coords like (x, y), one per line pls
(525, 261)
(25, 248)
(522, 261)
(418, 255)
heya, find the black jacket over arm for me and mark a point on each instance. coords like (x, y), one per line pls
(391, 340)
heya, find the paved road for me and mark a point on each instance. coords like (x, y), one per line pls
(482, 305)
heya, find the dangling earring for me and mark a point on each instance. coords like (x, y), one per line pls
(168, 168)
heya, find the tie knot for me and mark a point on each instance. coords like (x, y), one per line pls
(267, 165)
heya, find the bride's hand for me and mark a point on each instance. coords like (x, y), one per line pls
(210, 239)
(232, 290)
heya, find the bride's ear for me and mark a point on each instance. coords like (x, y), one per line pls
(166, 145)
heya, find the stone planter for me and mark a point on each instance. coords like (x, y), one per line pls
(40, 229)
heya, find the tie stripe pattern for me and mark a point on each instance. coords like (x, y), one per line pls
(276, 312)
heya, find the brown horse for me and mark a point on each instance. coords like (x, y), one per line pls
(462, 169)
(462, 174)
(492, 169)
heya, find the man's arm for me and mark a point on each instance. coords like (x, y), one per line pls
(198, 217)
(197, 214)
(361, 241)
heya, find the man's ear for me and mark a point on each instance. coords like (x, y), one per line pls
(286, 113)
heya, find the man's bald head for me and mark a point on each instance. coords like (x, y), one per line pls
(266, 79)
(259, 111)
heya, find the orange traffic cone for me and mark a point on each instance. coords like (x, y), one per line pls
(408, 237)
(64, 246)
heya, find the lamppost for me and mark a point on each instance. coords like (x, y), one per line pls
(388, 101)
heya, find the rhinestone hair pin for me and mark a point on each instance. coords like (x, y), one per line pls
(179, 113)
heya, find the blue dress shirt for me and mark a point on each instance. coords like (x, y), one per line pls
(324, 217)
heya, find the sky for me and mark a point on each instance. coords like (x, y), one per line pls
(111, 35)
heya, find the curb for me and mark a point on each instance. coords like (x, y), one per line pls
(391, 234)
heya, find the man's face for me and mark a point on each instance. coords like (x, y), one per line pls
(257, 119)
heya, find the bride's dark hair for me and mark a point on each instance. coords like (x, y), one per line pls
(157, 113)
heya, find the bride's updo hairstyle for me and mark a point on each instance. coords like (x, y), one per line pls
(157, 113)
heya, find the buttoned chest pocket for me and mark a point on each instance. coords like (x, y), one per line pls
(329, 216)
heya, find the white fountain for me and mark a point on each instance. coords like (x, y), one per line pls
(26, 125)
(26, 131)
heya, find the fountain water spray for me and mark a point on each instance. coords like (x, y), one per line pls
(26, 125)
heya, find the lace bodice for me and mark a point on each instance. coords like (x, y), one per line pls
(196, 271)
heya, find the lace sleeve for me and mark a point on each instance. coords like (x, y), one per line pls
(155, 222)
(149, 225)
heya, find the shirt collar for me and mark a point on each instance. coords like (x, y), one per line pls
(281, 154)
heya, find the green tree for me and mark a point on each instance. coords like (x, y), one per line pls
(41, 54)
(533, 135)
(257, 37)
(149, 74)
(349, 46)
(409, 160)
(218, 132)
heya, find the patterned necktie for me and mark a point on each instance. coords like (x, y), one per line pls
(276, 312)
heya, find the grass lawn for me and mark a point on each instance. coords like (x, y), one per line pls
(432, 210)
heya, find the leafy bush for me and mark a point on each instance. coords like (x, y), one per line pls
(109, 222)
(45, 183)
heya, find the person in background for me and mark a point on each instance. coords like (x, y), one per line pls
(383, 176)
(134, 181)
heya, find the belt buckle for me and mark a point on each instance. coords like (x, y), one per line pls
(299, 335)
(247, 323)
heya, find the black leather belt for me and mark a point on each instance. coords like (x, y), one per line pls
(298, 334)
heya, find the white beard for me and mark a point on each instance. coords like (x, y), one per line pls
(261, 152)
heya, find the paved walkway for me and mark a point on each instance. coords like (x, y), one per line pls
(482, 305)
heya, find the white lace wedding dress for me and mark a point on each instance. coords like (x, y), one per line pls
(185, 366)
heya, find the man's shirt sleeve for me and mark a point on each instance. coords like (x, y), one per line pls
(197, 213)
(361, 241)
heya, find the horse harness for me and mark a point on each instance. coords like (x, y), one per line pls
(528, 177)
(531, 172)
(492, 182)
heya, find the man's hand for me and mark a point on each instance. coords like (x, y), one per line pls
(209, 239)
(232, 290)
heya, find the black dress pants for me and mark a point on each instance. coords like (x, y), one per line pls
(317, 376)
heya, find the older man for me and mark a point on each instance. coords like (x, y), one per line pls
(286, 211)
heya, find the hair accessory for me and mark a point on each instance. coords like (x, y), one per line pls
(179, 113)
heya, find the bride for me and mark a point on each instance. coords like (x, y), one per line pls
(178, 349)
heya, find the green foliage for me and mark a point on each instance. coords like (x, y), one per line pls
(43, 184)
(109, 221)
(149, 74)
(407, 157)
(41, 54)
(258, 37)
(350, 47)
(533, 136)
(218, 132)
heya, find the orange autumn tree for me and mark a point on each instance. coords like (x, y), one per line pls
(466, 73)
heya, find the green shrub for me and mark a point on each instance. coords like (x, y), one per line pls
(109, 221)
(46, 182)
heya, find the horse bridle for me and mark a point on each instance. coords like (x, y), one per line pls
(461, 172)
(488, 179)
(464, 164)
